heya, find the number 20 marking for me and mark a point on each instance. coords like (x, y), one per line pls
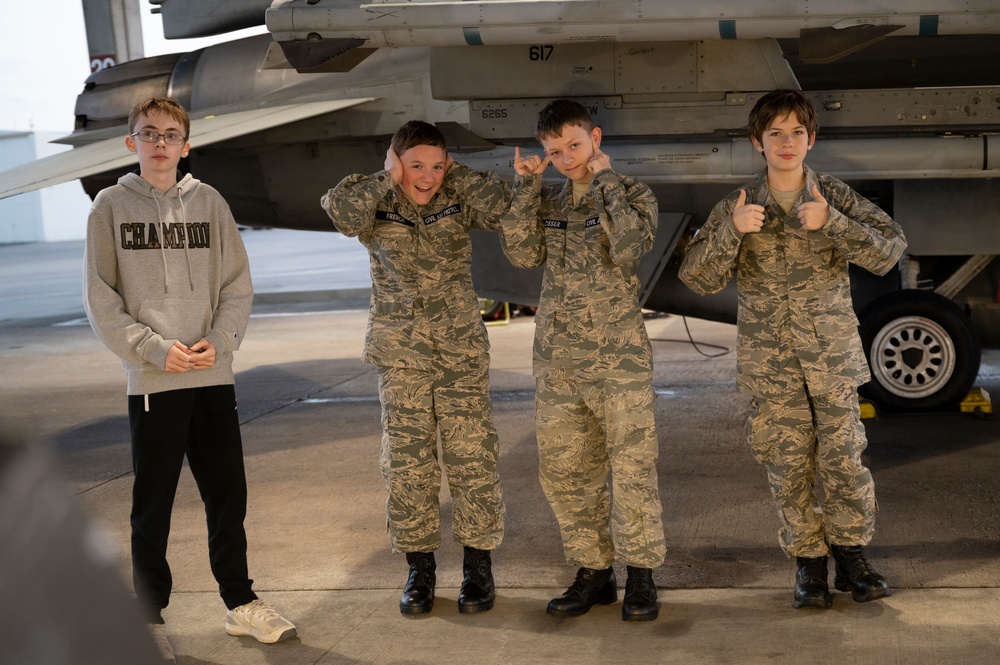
(540, 52)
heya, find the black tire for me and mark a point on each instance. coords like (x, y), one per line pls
(490, 309)
(922, 350)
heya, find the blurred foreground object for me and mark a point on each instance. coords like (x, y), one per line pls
(61, 595)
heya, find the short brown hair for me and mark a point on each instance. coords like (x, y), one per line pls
(560, 113)
(167, 105)
(417, 132)
(781, 103)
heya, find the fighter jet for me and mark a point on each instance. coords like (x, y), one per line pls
(908, 96)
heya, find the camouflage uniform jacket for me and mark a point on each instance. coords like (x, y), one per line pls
(422, 300)
(588, 318)
(794, 291)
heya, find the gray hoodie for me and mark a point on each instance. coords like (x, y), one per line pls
(161, 267)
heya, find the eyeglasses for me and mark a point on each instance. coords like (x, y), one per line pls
(170, 138)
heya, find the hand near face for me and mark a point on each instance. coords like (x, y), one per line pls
(393, 166)
(600, 160)
(529, 165)
(814, 214)
(747, 218)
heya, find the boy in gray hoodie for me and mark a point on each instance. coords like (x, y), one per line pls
(167, 289)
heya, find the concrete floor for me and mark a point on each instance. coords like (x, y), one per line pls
(319, 552)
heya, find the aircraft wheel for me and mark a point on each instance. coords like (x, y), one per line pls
(490, 309)
(922, 350)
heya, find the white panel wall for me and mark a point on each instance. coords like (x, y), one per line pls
(52, 214)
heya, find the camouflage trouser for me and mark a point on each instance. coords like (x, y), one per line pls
(802, 438)
(586, 429)
(415, 405)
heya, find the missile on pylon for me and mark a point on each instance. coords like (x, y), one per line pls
(833, 28)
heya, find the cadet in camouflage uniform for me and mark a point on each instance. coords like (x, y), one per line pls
(427, 338)
(789, 236)
(592, 360)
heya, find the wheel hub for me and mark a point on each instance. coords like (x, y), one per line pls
(913, 357)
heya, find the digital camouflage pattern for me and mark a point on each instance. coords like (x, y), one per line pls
(421, 262)
(588, 317)
(795, 313)
(415, 403)
(427, 337)
(587, 429)
(799, 353)
(803, 438)
(593, 364)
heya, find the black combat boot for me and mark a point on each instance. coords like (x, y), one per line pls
(478, 592)
(811, 588)
(856, 575)
(418, 594)
(640, 596)
(591, 587)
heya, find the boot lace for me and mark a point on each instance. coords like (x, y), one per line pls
(580, 583)
(479, 568)
(856, 564)
(637, 585)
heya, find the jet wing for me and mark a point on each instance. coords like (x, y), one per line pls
(110, 153)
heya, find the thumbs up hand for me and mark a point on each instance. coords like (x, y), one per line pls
(814, 214)
(747, 218)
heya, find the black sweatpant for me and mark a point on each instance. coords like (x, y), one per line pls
(203, 424)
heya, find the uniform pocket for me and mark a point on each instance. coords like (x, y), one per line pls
(392, 310)
(760, 433)
(836, 325)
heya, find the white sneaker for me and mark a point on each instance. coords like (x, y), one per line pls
(258, 620)
(159, 633)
